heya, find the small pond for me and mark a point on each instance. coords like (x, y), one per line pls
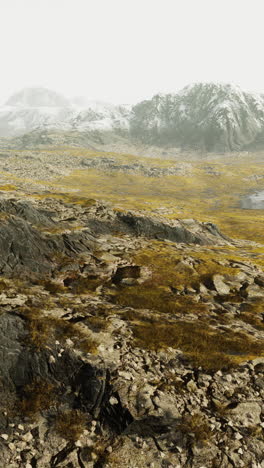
(254, 201)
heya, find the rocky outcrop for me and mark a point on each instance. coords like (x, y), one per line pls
(186, 231)
(25, 247)
(27, 211)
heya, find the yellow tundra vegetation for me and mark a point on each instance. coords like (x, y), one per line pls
(213, 196)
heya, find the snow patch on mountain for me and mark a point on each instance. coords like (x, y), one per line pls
(37, 97)
(100, 115)
(36, 108)
(207, 116)
(210, 116)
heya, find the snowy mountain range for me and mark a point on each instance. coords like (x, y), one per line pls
(40, 108)
(214, 117)
(208, 116)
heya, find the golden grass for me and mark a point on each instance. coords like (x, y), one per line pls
(169, 273)
(252, 313)
(199, 195)
(37, 396)
(70, 424)
(197, 426)
(169, 266)
(43, 328)
(204, 346)
(149, 296)
(8, 188)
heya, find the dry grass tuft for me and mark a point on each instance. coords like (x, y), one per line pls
(252, 313)
(42, 328)
(70, 424)
(37, 396)
(53, 287)
(85, 285)
(196, 426)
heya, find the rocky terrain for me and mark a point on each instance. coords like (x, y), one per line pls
(127, 339)
(45, 166)
(210, 117)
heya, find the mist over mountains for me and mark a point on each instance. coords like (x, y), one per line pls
(210, 117)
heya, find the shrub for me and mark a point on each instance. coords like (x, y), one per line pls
(84, 285)
(53, 287)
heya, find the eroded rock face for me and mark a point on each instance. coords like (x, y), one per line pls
(80, 384)
(185, 231)
(23, 248)
(26, 248)
(27, 211)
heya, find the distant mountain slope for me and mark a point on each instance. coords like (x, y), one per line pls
(214, 117)
(37, 97)
(210, 117)
(97, 115)
(33, 108)
(20, 120)
(41, 109)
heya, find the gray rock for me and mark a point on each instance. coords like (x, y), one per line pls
(246, 414)
(220, 286)
(23, 248)
(21, 365)
(254, 291)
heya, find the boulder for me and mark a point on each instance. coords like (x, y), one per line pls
(220, 286)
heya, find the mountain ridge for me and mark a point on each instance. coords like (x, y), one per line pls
(214, 117)
(204, 116)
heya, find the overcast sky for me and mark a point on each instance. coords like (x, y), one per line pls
(126, 50)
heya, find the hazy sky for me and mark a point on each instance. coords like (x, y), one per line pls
(128, 50)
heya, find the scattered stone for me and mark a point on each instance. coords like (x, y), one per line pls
(220, 286)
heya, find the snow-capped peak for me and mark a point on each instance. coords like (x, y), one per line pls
(36, 108)
(37, 97)
(213, 116)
